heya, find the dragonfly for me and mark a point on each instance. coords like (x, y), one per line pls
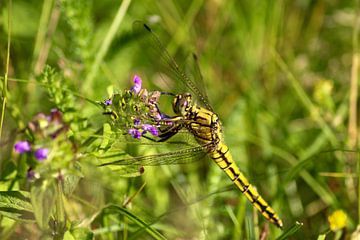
(200, 120)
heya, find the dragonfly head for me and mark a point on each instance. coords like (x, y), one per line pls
(182, 103)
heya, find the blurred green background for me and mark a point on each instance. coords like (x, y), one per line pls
(278, 73)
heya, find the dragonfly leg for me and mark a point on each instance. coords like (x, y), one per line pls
(168, 134)
(165, 134)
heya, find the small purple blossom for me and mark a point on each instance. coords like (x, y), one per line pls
(146, 127)
(137, 122)
(41, 154)
(135, 133)
(154, 131)
(30, 175)
(108, 102)
(150, 128)
(137, 84)
(22, 146)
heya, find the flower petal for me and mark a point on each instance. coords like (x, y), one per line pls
(41, 154)
(22, 146)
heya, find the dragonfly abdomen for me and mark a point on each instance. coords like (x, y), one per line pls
(206, 128)
(224, 160)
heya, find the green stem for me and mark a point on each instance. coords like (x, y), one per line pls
(5, 87)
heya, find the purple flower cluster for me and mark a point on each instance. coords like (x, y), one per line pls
(141, 129)
(51, 125)
(137, 105)
(150, 128)
(44, 128)
(135, 133)
(24, 146)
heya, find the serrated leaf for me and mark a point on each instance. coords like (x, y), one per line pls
(43, 194)
(16, 205)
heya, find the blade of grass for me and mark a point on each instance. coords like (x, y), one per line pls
(352, 128)
(153, 232)
(291, 231)
(182, 32)
(305, 100)
(5, 86)
(358, 176)
(104, 48)
(41, 34)
(322, 192)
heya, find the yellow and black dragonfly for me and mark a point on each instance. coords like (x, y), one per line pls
(198, 119)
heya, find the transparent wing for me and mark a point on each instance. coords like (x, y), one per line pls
(183, 156)
(166, 62)
(199, 79)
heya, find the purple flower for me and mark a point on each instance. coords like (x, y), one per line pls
(30, 175)
(22, 146)
(154, 131)
(137, 84)
(137, 122)
(134, 133)
(41, 154)
(108, 102)
(150, 128)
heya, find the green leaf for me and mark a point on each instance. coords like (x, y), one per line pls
(16, 205)
(43, 195)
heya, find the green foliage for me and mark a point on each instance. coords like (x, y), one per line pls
(78, 21)
(43, 196)
(276, 72)
(16, 205)
(57, 92)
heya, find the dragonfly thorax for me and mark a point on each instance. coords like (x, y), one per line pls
(182, 103)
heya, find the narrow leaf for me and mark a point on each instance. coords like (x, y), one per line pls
(292, 230)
